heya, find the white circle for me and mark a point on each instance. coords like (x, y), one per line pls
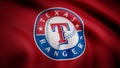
(53, 37)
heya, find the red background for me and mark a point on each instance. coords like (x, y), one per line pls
(102, 32)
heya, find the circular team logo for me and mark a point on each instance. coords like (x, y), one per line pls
(59, 34)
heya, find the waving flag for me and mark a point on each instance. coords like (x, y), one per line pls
(99, 21)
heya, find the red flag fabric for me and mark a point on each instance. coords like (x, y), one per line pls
(101, 26)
